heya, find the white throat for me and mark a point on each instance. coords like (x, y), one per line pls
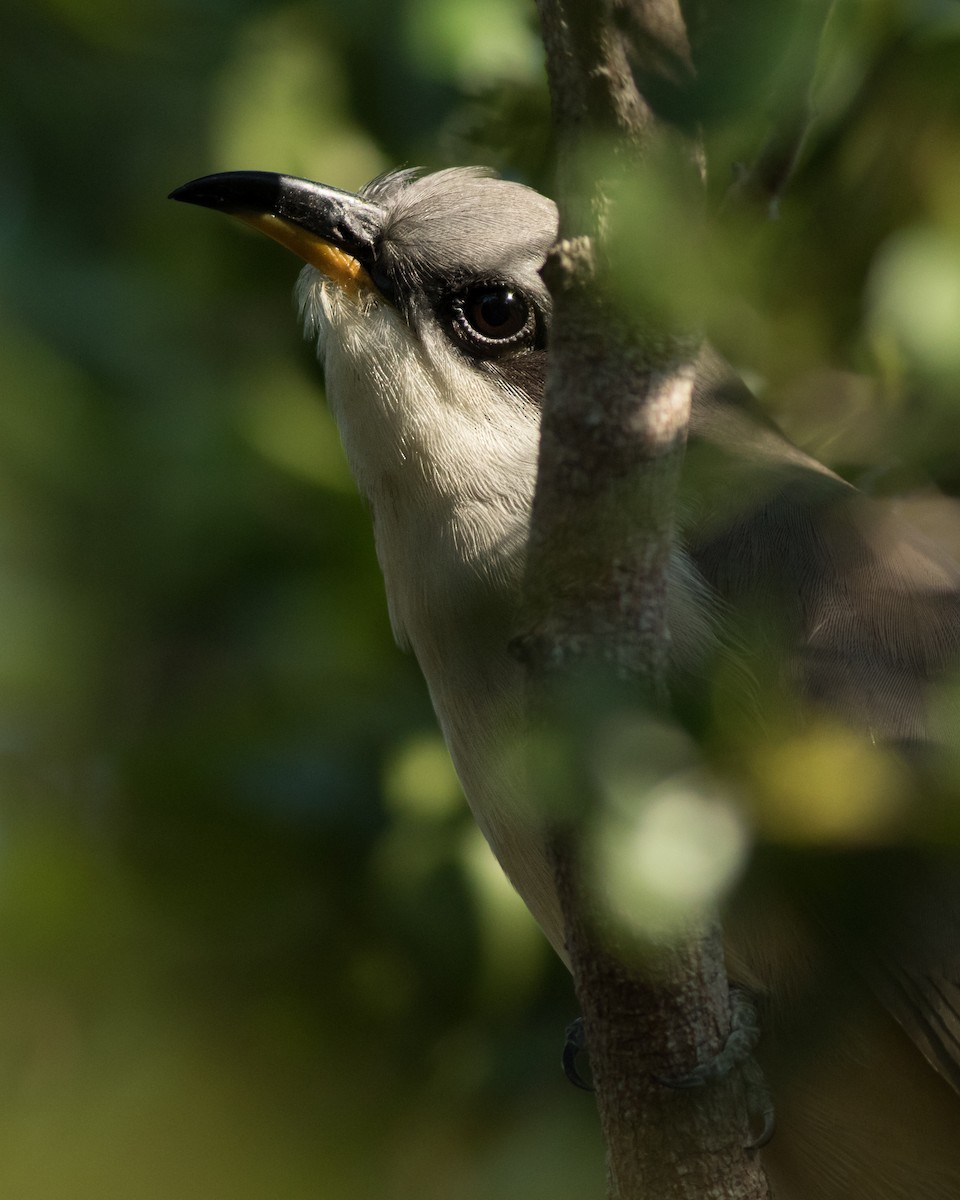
(447, 466)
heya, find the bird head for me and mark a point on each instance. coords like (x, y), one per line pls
(425, 297)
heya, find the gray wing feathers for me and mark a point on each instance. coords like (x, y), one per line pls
(927, 1006)
(863, 612)
(866, 616)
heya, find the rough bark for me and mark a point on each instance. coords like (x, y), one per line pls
(614, 423)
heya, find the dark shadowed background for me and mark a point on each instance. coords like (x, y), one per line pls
(250, 943)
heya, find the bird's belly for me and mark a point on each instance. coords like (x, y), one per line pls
(484, 744)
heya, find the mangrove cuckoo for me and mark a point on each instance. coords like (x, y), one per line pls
(424, 296)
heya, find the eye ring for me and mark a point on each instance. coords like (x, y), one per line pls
(493, 317)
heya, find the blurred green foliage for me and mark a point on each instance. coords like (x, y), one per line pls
(250, 943)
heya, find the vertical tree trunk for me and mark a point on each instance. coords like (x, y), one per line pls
(614, 425)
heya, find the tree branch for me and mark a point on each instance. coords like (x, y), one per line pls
(618, 399)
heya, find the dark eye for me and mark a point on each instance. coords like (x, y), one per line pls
(492, 317)
(496, 312)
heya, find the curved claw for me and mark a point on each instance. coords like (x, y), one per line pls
(767, 1130)
(574, 1041)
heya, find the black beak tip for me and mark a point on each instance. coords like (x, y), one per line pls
(208, 192)
(233, 192)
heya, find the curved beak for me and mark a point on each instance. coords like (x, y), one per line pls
(334, 231)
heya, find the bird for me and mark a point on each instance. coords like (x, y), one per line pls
(423, 293)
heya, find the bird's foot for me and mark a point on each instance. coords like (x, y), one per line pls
(736, 1054)
(740, 1044)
